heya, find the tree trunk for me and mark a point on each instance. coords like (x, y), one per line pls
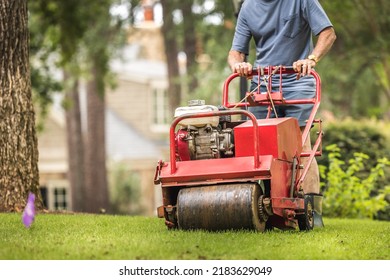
(170, 45)
(18, 142)
(76, 171)
(97, 196)
(190, 43)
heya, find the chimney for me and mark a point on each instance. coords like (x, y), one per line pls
(148, 6)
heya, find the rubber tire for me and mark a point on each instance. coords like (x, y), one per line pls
(306, 221)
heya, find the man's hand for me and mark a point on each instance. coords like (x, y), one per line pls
(303, 67)
(243, 69)
(238, 65)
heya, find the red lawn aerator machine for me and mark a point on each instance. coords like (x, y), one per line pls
(240, 174)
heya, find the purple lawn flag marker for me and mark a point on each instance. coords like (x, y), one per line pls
(29, 211)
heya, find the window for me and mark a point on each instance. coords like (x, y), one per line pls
(60, 199)
(160, 110)
(56, 195)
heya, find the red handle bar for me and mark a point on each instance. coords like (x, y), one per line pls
(280, 70)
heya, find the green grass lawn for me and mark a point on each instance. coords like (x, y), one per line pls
(105, 237)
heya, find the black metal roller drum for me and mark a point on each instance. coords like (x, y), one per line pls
(219, 207)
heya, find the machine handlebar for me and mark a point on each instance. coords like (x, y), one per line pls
(272, 70)
(276, 70)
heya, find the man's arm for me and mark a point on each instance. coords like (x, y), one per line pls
(236, 61)
(324, 43)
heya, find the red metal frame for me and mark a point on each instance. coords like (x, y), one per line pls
(278, 100)
(211, 114)
(202, 172)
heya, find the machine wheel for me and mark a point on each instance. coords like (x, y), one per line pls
(306, 220)
(220, 207)
(263, 216)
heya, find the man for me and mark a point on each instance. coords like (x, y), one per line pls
(282, 31)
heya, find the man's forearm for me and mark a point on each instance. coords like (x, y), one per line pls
(324, 43)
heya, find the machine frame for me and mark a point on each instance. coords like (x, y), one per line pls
(282, 203)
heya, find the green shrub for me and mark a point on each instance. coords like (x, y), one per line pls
(124, 190)
(370, 137)
(348, 195)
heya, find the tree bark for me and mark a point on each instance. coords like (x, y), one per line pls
(97, 196)
(76, 171)
(171, 52)
(18, 141)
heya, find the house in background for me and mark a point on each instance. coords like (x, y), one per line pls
(53, 164)
(137, 122)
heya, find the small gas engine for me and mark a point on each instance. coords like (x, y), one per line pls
(203, 138)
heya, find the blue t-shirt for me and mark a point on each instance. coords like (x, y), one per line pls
(282, 31)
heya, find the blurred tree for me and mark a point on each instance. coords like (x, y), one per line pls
(18, 142)
(203, 30)
(101, 31)
(215, 36)
(58, 25)
(171, 51)
(359, 83)
(79, 32)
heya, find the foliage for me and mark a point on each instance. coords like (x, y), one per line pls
(68, 34)
(347, 195)
(358, 84)
(124, 190)
(44, 82)
(371, 137)
(106, 237)
(204, 35)
(78, 39)
(43, 88)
